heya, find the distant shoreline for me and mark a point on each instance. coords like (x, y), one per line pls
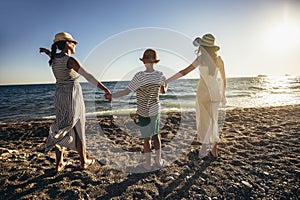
(106, 81)
(95, 116)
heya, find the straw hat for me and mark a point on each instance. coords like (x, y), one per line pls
(64, 36)
(150, 56)
(207, 40)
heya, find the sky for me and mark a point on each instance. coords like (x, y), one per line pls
(256, 37)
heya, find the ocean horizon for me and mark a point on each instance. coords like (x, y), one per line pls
(25, 102)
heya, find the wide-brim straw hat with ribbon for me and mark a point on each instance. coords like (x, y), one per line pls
(64, 36)
(150, 56)
(207, 40)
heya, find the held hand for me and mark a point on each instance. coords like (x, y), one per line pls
(107, 91)
(166, 84)
(108, 96)
(164, 88)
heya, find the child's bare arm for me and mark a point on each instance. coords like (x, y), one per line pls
(117, 94)
(121, 93)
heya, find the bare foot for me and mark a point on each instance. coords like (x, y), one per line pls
(61, 166)
(88, 163)
(214, 151)
(161, 163)
(146, 167)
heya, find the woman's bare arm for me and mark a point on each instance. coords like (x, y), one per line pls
(46, 51)
(75, 64)
(180, 74)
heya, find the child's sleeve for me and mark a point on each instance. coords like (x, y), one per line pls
(163, 88)
(134, 83)
(163, 79)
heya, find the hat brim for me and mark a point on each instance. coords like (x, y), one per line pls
(202, 43)
(66, 39)
(214, 46)
(149, 60)
(74, 41)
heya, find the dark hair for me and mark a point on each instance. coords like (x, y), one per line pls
(209, 58)
(57, 45)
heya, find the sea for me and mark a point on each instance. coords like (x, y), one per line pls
(23, 103)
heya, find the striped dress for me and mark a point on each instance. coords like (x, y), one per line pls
(69, 108)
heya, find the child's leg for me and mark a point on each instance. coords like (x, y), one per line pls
(147, 152)
(157, 147)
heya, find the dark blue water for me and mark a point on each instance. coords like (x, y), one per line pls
(34, 102)
(23, 102)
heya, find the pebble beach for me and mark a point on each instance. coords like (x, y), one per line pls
(259, 158)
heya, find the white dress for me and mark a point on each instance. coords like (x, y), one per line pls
(207, 101)
(69, 124)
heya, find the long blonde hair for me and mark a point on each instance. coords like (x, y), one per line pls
(209, 58)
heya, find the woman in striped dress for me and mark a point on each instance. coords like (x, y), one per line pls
(68, 130)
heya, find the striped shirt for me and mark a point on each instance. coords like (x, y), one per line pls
(147, 87)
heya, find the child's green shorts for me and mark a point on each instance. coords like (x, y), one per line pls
(149, 126)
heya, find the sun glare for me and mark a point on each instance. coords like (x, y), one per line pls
(283, 36)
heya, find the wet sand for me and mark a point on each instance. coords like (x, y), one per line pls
(259, 154)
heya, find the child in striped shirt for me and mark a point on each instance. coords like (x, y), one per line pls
(147, 85)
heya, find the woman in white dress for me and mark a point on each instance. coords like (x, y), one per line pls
(68, 130)
(209, 94)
